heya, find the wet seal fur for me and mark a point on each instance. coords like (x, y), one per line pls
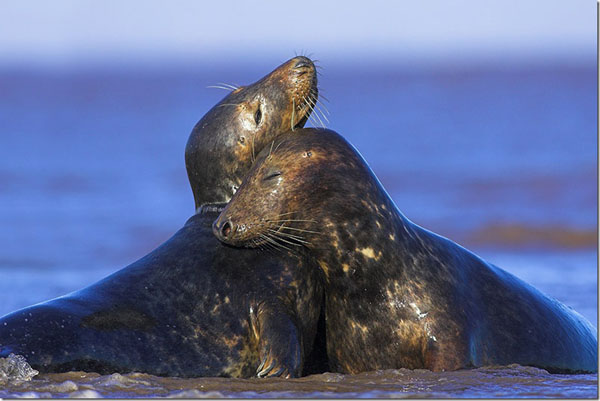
(397, 295)
(193, 306)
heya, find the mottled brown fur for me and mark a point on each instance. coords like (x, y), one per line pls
(397, 295)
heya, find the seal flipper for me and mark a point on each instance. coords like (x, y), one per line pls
(279, 345)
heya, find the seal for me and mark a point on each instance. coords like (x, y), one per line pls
(224, 143)
(397, 295)
(193, 306)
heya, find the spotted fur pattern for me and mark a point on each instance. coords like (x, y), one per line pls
(397, 295)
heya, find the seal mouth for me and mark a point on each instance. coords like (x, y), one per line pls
(305, 97)
(302, 122)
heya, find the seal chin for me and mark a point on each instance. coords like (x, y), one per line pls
(301, 122)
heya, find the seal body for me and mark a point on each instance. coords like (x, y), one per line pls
(194, 307)
(397, 295)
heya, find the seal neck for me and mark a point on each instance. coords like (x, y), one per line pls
(371, 246)
(211, 208)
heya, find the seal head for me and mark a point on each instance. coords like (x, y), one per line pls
(223, 144)
(297, 181)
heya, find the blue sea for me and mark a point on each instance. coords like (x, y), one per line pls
(500, 158)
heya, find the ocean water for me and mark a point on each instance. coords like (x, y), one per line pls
(501, 159)
(511, 381)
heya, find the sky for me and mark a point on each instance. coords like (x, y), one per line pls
(75, 31)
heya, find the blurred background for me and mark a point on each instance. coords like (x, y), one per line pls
(479, 117)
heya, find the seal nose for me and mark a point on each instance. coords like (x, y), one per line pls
(303, 62)
(222, 229)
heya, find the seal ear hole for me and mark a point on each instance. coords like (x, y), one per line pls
(242, 139)
(258, 116)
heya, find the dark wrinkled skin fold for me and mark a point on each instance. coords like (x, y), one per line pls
(397, 295)
(193, 306)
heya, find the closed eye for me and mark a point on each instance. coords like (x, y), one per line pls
(258, 116)
(272, 175)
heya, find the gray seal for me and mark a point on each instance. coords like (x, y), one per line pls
(397, 295)
(193, 306)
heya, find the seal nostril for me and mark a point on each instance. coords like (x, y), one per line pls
(226, 230)
(303, 62)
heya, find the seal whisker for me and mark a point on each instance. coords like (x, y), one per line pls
(272, 241)
(304, 105)
(313, 121)
(257, 244)
(290, 220)
(275, 236)
(276, 239)
(277, 216)
(320, 101)
(288, 235)
(322, 113)
(265, 242)
(321, 96)
(271, 150)
(278, 145)
(318, 70)
(284, 214)
(292, 241)
(310, 115)
(313, 104)
(308, 102)
(220, 87)
(263, 223)
(301, 230)
(323, 105)
(233, 87)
